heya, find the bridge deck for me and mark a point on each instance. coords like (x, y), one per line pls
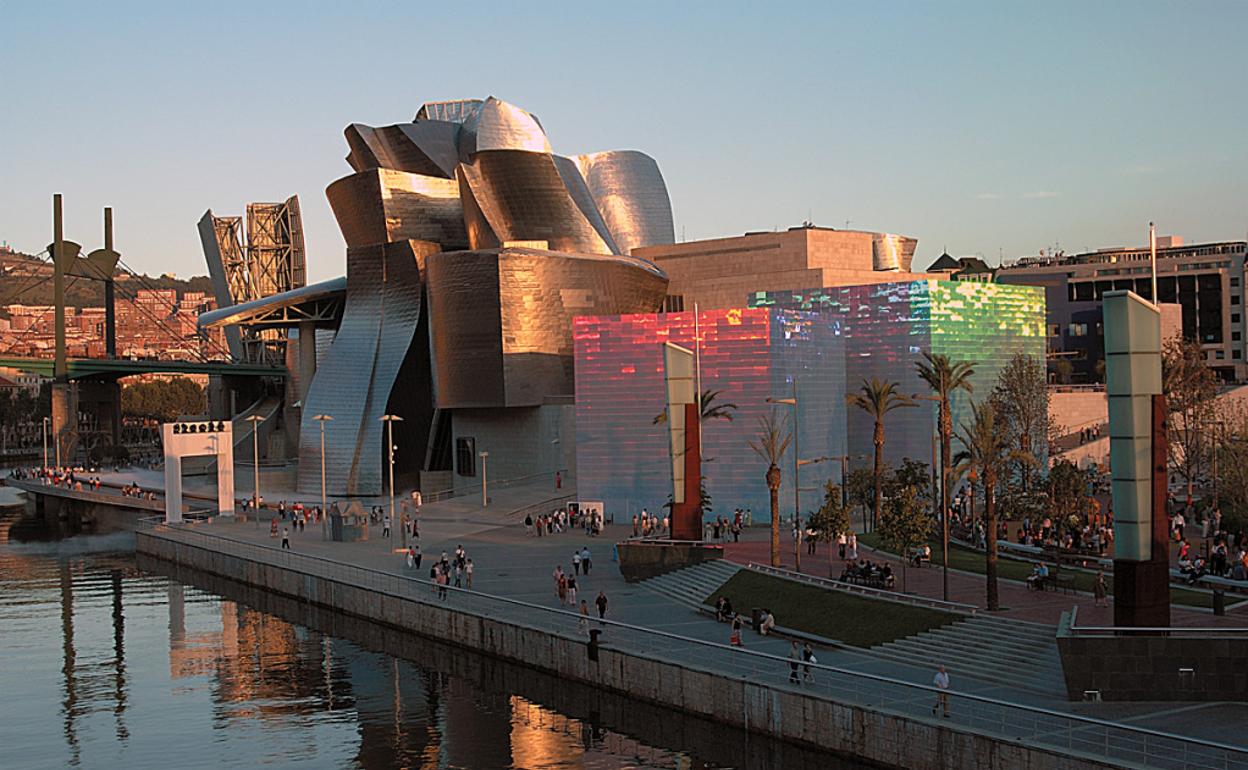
(83, 368)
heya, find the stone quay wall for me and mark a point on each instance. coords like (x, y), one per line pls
(874, 736)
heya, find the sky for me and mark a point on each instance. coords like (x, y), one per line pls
(995, 128)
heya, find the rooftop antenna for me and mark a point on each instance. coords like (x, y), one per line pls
(846, 224)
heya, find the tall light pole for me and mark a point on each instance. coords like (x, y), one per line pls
(797, 483)
(255, 421)
(485, 490)
(936, 498)
(390, 420)
(322, 419)
(45, 443)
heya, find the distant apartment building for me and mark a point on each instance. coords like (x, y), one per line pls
(156, 323)
(723, 272)
(1205, 279)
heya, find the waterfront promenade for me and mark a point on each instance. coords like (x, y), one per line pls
(517, 569)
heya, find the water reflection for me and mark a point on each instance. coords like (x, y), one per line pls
(154, 670)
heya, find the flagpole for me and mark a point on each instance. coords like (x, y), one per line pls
(1152, 259)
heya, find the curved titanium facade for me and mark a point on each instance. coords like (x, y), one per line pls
(501, 320)
(521, 196)
(391, 147)
(892, 252)
(353, 383)
(498, 125)
(628, 189)
(382, 206)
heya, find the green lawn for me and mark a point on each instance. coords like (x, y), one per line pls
(827, 612)
(969, 560)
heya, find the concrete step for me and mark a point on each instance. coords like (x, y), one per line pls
(1045, 683)
(988, 652)
(973, 664)
(975, 637)
(1021, 627)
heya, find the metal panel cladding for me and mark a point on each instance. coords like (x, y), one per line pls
(746, 356)
(629, 190)
(892, 252)
(499, 125)
(521, 196)
(354, 381)
(419, 148)
(501, 320)
(888, 326)
(381, 205)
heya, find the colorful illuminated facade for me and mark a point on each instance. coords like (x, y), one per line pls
(886, 327)
(829, 339)
(747, 355)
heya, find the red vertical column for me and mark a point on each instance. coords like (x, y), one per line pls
(687, 516)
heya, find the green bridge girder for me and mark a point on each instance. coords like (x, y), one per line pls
(115, 368)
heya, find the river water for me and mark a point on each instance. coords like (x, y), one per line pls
(112, 662)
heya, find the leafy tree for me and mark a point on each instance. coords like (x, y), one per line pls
(1021, 402)
(860, 487)
(163, 400)
(771, 442)
(1067, 491)
(1190, 387)
(832, 518)
(912, 473)
(906, 524)
(945, 377)
(1063, 370)
(986, 450)
(877, 398)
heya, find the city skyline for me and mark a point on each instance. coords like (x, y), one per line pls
(973, 128)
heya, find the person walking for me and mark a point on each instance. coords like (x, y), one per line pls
(941, 683)
(411, 558)
(734, 637)
(1099, 590)
(808, 657)
(795, 656)
(286, 538)
(585, 560)
(576, 562)
(601, 604)
(385, 526)
(416, 554)
(583, 622)
(468, 572)
(572, 590)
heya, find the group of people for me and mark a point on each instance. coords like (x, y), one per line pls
(721, 528)
(646, 524)
(866, 572)
(567, 585)
(456, 569)
(562, 520)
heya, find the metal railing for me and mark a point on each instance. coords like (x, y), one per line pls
(868, 591)
(447, 494)
(1208, 632)
(1062, 733)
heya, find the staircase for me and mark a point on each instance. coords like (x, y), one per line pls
(989, 649)
(690, 586)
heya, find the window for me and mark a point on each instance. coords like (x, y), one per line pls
(1055, 330)
(1219, 355)
(1234, 281)
(1235, 354)
(1234, 299)
(466, 456)
(1235, 336)
(1234, 318)
(674, 303)
(1077, 330)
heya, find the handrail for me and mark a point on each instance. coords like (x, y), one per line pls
(639, 540)
(1229, 753)
(879, 593)
(447, 494)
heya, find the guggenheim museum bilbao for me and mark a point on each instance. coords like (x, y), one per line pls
(505, 299)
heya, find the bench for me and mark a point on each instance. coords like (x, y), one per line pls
(875, 581)
(918, 556)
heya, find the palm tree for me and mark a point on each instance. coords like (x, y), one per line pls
(877, 398)
(945, 377)
(710, 406)
(771, 443)
(986, 450)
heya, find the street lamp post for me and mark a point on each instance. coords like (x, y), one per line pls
(322, 419)
(797, 483)
(390, 420)
(485, 490)
(45, 443)
(255, 421)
